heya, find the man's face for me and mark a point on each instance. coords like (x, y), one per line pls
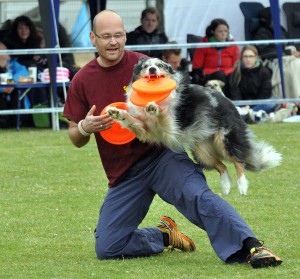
(109, 38)
(174, 60)
(149, 22)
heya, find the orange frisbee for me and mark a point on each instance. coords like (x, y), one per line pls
(151, 89)
(117, 134)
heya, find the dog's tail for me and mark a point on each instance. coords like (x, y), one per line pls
(263, 156)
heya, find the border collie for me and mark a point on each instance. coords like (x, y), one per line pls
(199, 119)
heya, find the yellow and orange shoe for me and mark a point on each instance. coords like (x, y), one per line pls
(177, 240)
(263, 257)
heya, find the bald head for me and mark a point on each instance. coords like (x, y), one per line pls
(109, 37)
(107, 18)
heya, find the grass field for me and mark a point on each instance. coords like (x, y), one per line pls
(51, 192)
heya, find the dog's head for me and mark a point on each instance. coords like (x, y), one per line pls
(215, 84)
(152, 68)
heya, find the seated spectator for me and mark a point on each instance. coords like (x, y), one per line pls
(148, 33)
(174, 58)
(215, 62)
(24, 35)
(67, 59)
(8, 95)
(267, 52)
(250, 80)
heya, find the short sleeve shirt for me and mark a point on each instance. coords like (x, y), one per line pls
(100, 86)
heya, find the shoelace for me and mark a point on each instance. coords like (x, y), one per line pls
(258, 250)
(171, 246)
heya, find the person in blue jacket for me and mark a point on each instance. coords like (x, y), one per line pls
(8, 95)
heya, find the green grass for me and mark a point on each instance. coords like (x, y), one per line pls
(51, 192)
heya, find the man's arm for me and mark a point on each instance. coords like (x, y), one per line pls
(76, 137)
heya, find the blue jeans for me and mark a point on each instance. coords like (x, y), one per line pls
(180, 182)
(266, 107)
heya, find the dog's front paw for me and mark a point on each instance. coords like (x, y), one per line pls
(152, 108)
(115, 113)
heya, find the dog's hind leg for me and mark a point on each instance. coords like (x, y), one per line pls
(206, 157)
(242, 181)
(225, 178)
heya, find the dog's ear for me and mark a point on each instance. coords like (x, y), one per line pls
(221, 83)
(137, 68)
(170, 69)
(142, 59)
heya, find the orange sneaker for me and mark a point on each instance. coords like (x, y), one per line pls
(176, 239)
(263, 257)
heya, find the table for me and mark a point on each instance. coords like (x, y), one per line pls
(24, 88)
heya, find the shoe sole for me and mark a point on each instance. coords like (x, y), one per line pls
(173, 224)
(265, 262)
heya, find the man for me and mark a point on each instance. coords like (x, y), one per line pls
(137, 171)
(148, 33)
(174, 58)
(11, 69)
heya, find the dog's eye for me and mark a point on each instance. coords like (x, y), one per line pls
(161, 66)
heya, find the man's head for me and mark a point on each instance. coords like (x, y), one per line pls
(173, 57)
(150, 19)
(109, 37)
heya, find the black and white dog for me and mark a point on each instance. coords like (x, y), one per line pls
(200, 119)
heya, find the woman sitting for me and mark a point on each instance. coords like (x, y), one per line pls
(250, 80)
(291, 61)
(9, 95)
(215, 62)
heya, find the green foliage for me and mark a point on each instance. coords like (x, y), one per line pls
(51, 192)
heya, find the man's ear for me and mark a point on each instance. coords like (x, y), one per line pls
(125, 36)
(92, 38)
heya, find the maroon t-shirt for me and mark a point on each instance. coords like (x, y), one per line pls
(96, 85)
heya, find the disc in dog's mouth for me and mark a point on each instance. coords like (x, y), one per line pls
(153, 89)
(155, 76)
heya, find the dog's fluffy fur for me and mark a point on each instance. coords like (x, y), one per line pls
(200, 119)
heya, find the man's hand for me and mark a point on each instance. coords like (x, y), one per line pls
(94, 124)
(90, 124)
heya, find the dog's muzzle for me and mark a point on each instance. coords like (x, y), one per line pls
(152, 71)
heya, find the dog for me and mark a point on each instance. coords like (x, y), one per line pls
(199, 119)
(215, 84)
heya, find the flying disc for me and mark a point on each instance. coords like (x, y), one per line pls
(151, 89)
(117, 134)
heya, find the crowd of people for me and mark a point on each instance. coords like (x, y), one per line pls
(244, 76)
(244, 73)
